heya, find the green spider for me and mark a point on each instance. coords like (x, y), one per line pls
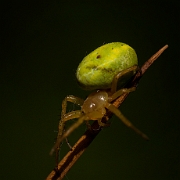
(100, 71)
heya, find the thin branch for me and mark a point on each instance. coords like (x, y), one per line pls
(77, 150)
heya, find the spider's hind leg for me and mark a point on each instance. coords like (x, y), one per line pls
(124, 76)
(118, 113)
(120, 92)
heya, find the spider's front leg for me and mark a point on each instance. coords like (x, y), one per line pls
(65, 117)
(82, 117)
(124, 75)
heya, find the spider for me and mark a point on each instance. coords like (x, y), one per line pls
(101, 71)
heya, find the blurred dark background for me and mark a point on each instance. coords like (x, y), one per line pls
(41, 46)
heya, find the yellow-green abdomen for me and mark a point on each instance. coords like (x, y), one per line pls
(97, 69)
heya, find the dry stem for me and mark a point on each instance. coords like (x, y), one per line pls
(72, 156)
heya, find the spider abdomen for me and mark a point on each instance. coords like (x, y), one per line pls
(97, 69)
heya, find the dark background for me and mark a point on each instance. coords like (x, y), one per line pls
(42, 44)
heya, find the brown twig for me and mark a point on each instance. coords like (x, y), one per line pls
(72, 156)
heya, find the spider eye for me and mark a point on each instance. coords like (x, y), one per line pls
(92, 105)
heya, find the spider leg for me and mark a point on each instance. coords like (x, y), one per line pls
(75, 100)
(118, 113)
(130, 71)
(68, 116)
(82, 117)
(69, 131)
(70, 98)
(120, 92)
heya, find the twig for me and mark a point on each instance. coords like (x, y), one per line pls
(77, 150)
